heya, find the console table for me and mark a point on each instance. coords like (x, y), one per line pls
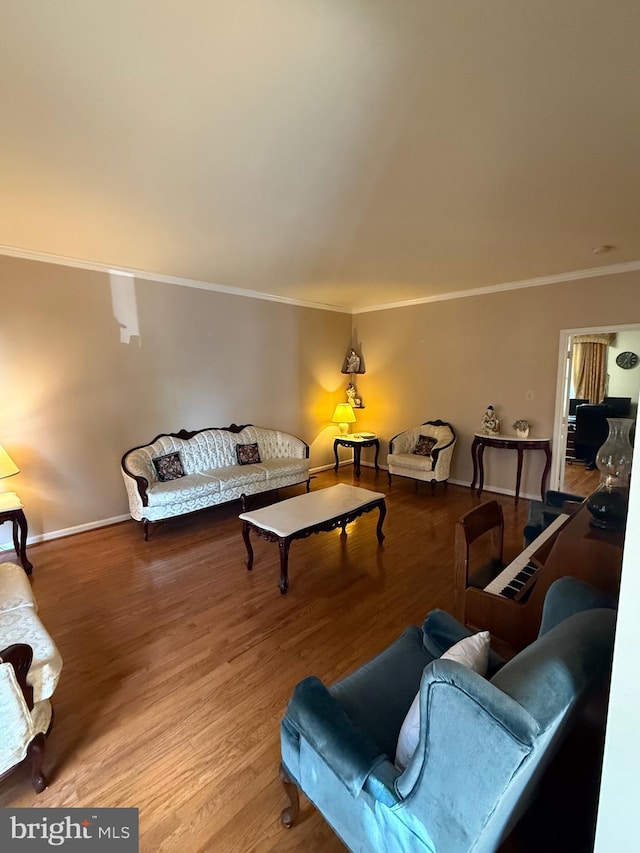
(11, 510)
(357, 442)
(508, 442)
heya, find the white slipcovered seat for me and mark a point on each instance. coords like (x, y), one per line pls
(403, 461)
(30, 667)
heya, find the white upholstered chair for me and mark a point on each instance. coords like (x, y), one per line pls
(30, 666)
(433, 467)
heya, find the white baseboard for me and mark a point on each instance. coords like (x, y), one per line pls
(68, 531)
(497, 490)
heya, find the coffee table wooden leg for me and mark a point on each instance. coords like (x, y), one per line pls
(284, 544)
(247, 542)
(383, 511)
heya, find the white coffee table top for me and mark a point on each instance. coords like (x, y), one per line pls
(287, 517)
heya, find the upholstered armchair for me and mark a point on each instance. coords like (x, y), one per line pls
(423, 452)
(483, 743)
(30, 667)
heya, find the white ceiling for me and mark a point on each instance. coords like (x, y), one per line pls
(345, 152)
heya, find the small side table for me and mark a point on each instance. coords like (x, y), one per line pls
(356, 442)
(11, 510)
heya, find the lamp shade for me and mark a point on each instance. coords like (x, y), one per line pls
(343, 416)
(7, 466)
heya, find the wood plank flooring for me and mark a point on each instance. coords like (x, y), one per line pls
(178, 663)
(579, 481)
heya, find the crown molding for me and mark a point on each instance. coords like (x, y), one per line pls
(575, 275)
(95, 266)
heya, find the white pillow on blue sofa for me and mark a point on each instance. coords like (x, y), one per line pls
(472, 652)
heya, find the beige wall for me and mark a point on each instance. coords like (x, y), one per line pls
(75, 396)
(93, 365)
(624, 383)
(451, 359)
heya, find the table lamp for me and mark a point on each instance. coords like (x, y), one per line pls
(7, 469)
(343, 416)
(7, 466)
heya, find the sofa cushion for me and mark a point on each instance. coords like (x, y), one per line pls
(411, 461)
(277, 468)
(234, 476)
(248, 454)
(185, 488)
(168, 467)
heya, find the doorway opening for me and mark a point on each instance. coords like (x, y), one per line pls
(621, 384)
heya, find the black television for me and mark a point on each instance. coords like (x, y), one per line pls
(574, 402)
(620, 406)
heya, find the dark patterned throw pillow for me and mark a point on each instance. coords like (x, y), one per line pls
(169, 467)
(425, 445)
(248, 454)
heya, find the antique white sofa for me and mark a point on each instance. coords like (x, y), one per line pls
(212, 472)
(30, 667)
(405, 462)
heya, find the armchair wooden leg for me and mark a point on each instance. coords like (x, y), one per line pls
(35, 756)
(289, 815)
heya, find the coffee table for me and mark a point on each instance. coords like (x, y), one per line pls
(313, 512)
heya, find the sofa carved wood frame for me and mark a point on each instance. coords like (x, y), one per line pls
(185, 434)
(20, 656)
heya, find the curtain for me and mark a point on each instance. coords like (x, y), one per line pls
(590, 366)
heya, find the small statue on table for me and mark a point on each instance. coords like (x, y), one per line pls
(490, 422)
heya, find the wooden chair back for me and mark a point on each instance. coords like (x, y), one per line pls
(478, 552)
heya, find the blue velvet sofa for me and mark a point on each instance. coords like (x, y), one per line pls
(484, 742)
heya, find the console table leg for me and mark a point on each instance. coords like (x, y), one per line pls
(247, 542)
(480, 469)
(474, 459)
(519, 474)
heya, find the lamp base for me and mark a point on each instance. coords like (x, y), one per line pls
(9, 501)
(344, 429)
(608, 508)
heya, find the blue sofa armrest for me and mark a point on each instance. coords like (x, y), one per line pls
(318, 718)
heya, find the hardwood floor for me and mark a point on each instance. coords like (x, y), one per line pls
(579, 481)
(178, 663)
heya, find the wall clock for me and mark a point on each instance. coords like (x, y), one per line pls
(626, 360)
